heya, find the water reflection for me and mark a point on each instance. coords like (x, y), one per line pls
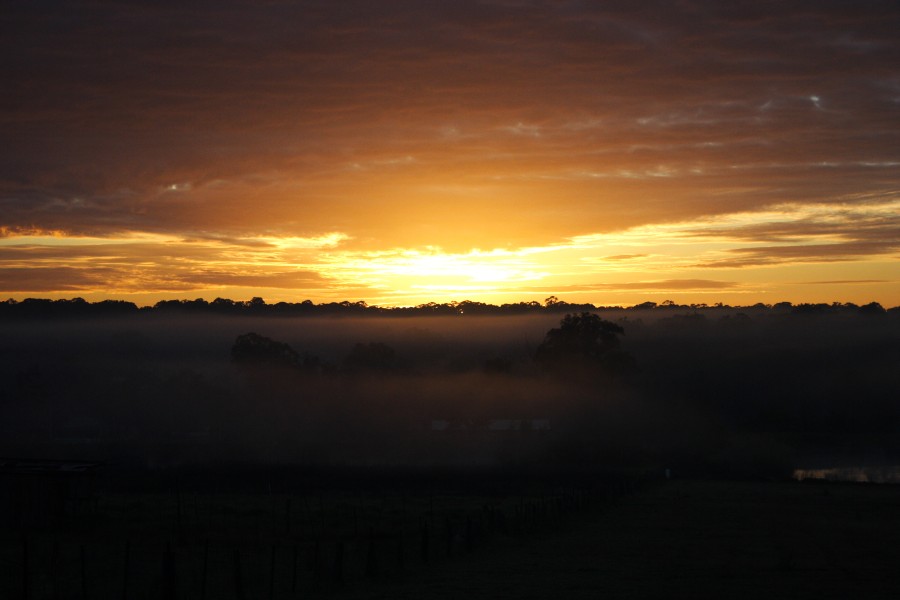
(871, 474)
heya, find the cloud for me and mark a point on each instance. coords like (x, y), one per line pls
(163, 278)
(844, 281)
(52, 279)
(624, 256)
(141, 263)
(806, 233)
(665, 256)
(668, 284)
(815, 253)
(277, 279)
(279, 99)
(472, 124)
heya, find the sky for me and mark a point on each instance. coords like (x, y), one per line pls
(402, 152)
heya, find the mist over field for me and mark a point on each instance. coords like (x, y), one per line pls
(713, 390)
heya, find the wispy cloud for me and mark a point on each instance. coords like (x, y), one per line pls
(664, 285)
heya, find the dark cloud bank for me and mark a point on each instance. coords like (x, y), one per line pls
(723, 391)
(188, 116)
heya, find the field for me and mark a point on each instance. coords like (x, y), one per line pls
(444, 457)
(410, 534)
(281, 533)
(692, 539)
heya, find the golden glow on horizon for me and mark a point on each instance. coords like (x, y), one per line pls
(496, 154)
(788, 252)
(434, 269)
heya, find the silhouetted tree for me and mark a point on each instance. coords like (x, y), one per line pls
(872, 308)
(254, 349)
(223, 305)
(644, 306)
(583, 341)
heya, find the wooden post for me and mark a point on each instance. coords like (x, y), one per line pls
(425, 541)
(178, 520)
(125, 570)
(339, 562)
(54, 569)
(448, 526)
(238, 580)
(83, 575)
(25, 582)
(308, 520)
(272, 518)
(272, 574)
(204, 573)
(287, 516)
(294, 572)
(169, 586)
(400, 549)
(372, 558)
(317, 562)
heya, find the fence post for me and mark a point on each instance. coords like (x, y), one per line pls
(25, 582)
(169, 586)
(238, 580)
(205, 571)
(125, 569)
(424, 527)
(317, 563)
(449, 527)
(272, 574)
(54, 569)
(339, 562)
(372, 557)
(83, 575)
(294, 572)
(179, 525)
(287, 516)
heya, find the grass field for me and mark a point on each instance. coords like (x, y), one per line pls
(691, 539)
(465, 536)
(270, 533)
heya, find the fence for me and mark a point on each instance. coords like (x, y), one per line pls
(257, 546)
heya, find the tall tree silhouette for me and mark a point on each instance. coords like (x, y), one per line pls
(252, 349)
(583, 341)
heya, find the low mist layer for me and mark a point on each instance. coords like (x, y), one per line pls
(714, 390)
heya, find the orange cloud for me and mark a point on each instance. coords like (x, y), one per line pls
(655, 137)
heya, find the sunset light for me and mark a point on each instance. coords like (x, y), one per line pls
(490, 152)
(434, 299)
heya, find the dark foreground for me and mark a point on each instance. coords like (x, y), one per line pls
(418, 535)
(693, 539)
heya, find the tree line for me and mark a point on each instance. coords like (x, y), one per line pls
(78, 308)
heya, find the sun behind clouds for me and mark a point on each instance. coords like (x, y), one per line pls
(606, 153)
